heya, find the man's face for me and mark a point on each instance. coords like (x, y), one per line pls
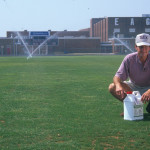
(142, 50)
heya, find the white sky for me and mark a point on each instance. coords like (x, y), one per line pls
(58, 15)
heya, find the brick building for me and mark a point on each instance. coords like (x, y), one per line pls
(49, 42)
(111, 30)
(105, 35)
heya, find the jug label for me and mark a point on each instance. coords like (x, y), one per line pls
(138, 110)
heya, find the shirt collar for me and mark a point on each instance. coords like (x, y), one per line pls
(147, 60)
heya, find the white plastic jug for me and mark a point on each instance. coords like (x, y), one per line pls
(133, 106)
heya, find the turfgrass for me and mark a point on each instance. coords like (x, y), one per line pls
(62, 103)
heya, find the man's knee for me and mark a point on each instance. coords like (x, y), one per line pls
(111, 87)
(112, 90)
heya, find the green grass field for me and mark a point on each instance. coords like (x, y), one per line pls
(62, 103)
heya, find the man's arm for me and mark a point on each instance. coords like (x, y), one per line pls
(121, 87)
(120, 90)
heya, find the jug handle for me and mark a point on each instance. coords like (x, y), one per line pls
(136, 93)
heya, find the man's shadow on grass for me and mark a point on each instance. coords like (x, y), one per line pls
(146, 117)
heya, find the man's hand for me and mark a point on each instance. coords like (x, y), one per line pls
(120, 88)
(120, 91)
(146, 96)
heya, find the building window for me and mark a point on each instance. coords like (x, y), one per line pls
(147, 29)
(147, 21)
(116, 30)
(131, 29)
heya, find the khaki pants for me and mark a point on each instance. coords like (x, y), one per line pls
(134, 87)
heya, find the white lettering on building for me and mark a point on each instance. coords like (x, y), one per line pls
(116, 21)
(132, 22)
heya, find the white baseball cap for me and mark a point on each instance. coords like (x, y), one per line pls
(142, 39)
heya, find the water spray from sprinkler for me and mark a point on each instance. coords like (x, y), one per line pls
(30, 56)
(114, 37)
(50, 38)
(28, 51)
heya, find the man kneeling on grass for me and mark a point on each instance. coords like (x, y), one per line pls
(136, 67)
